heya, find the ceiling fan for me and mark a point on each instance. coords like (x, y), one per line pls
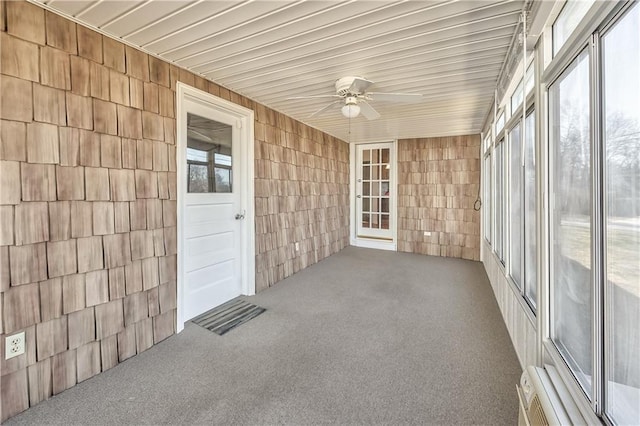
(351, 93)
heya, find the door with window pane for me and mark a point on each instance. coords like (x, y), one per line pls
(210, 195)
(374, 190)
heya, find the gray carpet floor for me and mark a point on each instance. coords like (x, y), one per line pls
(363, 337)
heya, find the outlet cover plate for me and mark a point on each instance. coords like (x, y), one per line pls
(14, 345)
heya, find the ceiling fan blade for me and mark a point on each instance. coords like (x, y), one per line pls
(314, 97)
(359, 85)
(368, 111)
(324, 108)
(395, 97)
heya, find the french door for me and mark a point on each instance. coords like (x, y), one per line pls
(374, 191)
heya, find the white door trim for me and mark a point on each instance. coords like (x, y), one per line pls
(245, 120)
(393, 208)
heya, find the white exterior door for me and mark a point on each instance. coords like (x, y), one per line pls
(374, 191)
(211, 210)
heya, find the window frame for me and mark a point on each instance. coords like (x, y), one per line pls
(573, 30)
(587, 35)
(501, 138)
(487, 193)
(533, 304)
(500, 123)
(531, 309)
(211, 166)
(518, 282)
(521, 288)
(607, 294)
(488, 199)
(519, 91)
(223, 166)
(558, 356)
(547, 66)
(499, 221)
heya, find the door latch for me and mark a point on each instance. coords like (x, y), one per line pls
(240, 216)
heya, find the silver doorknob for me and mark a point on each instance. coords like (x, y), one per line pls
(358, 196)
(240, 216)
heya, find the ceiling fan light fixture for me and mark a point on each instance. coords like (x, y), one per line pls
(351, 109)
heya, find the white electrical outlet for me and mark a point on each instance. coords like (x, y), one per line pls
(297, 246)
(14, 345)
(427, 233)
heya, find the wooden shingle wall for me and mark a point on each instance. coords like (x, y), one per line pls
(69, 180)
(88, 200)
(438, 181)
(301, 196)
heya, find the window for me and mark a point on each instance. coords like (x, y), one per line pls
(222, 171)
(487, 142)
(517, 97)
(486, 189)
(569, 18)
(515, 205)
(529, 80)
(570, 221)
(591, 303)
(209, 165)
(530, 224)
(500, 123)
(488, 176)
(621, 160)
(499, 202)
(522, 209)
(595, 219)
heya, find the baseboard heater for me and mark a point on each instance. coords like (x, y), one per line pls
(544, 400)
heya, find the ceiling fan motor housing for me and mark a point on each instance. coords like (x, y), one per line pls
(345, 86)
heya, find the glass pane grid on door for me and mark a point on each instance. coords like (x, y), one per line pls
(375, 210)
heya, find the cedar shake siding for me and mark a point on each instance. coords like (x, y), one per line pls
(438, 181)
(88, 200)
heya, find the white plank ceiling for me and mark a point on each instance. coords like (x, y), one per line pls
(449, 51)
